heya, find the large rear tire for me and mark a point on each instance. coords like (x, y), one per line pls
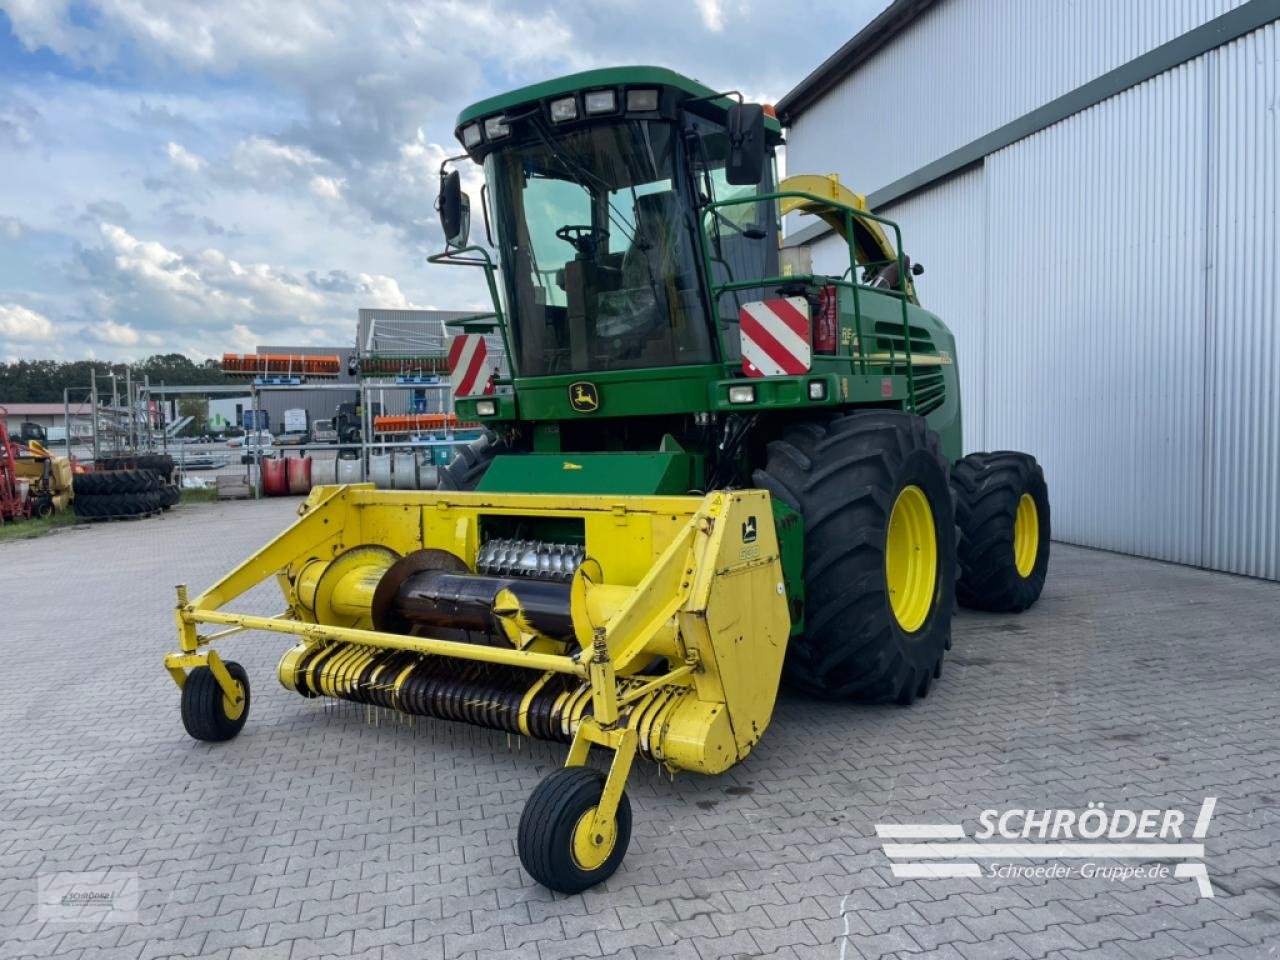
(1002, 508)
(879, 554)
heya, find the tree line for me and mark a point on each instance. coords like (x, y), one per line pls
(42, 381)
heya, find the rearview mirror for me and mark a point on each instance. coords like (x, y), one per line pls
(745, 163)
(454, 207)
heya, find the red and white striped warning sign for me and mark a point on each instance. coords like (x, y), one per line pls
(775, 337)
(469, 372)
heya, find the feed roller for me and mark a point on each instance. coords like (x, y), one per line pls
(666, 639)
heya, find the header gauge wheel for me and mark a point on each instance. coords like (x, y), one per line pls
(556, 839)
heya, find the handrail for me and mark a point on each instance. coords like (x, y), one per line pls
(718, 290)
(480, 259)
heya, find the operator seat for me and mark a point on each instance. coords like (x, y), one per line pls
(662, 236)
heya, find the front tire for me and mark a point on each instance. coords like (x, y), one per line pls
(879, 554)
(557, 846)
(207, 714)
(1002, 507)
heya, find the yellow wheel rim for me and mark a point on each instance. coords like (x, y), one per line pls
(1026, 535)
(911, 559)
(233, 708)
(589, 854)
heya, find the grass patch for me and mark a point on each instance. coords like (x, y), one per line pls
(208, 495)
(34, 527)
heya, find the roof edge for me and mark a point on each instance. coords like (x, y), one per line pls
(887, 24)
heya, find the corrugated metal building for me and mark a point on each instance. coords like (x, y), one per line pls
(1092, 188)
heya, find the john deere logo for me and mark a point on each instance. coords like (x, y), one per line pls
(583, 397)
(749, 530)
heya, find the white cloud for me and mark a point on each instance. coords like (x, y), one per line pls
(24, 325)
(302, 137)
(143, 292)
(242, 339)
(263, 159)
(328, 188)
(712, 13)
(115, 334)
(184, 159)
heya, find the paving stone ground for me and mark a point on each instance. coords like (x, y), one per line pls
(322, 831)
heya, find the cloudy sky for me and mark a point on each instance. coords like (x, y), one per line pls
(208, 176)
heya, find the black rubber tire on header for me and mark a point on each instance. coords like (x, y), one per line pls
(203, 712)
(547, 825)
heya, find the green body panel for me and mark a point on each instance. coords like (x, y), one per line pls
(622, 393)
(636, 474)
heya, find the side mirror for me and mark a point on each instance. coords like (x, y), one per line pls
(917, 269)
(455, 209)
(745, 163)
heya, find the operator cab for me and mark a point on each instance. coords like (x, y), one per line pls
(596, 188)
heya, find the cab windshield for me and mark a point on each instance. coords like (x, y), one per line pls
(598, 250)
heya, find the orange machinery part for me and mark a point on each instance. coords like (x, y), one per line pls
(407, 423)
(286, 363)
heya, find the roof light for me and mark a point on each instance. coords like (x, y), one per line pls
(742, 394)
(496, 127)
(471, 136)
(642, 101)
(566, 108)
(601, 101)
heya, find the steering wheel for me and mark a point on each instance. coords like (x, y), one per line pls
(583, 237)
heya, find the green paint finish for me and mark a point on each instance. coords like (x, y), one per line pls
(621, 393)
(639, 76)
(504, 405)
(637, 474)
(790, 529)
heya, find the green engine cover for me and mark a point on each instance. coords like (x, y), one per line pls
(633, 474)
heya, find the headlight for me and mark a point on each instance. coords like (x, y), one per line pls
(742, 394)
(486, 408)
(817, 390)
(642, 101)
(563, 109)
(496, 127)
(471, 136)
(600, 101)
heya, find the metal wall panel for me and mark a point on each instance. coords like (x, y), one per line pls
(944, 229)
(1242, 470)
(966, 68)
(1097, 314)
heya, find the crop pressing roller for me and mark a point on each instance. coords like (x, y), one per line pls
(708, 467)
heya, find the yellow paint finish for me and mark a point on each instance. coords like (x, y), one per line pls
(1026, 535)
(911, 559)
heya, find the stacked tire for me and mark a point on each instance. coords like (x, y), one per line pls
(107, 494)
(161, 464)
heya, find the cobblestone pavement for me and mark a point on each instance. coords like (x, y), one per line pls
(317, 833)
